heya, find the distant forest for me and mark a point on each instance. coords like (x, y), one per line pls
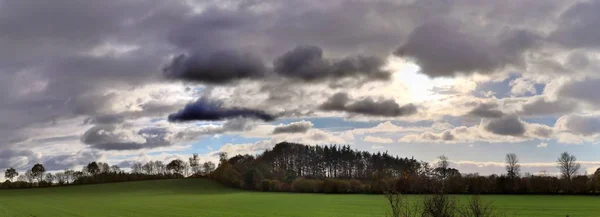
(292, 167)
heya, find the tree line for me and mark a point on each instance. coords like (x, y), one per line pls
(292, 167)
(99, 172)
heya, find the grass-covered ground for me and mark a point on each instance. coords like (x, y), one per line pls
(198, 197)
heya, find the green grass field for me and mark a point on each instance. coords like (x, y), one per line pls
(198, 197)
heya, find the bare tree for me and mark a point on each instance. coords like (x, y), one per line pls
(513, 168)
(477, 207)
(195, 164)
(442, 166)
(61, 178)
(49, 178)
(568, 165)
(115, 169)
(400, 205)
(395, 200)
(439, 205)
(186, 169)
(69, 176)
(208, 167)
(29, 176)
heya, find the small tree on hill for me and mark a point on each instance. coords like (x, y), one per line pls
(176, 166)
(208, 167)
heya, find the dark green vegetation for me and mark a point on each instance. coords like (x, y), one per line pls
(202, 197)
(291, 167)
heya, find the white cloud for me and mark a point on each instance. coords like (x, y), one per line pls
(381, 140)
(542, 145)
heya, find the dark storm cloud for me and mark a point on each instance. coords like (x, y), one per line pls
(108, 137)
(303, 63)
(216, 68)
(486, 110)
(307, 63)
(508, 126)
(295, 127)
(207, 110)
(441, 49)
(367, 106)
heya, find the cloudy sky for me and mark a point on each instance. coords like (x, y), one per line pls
(136, 80)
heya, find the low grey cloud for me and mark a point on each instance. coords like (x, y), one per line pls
(69, 161)
(579, 124)
(16, 158)
(294, 127)
(578, 26)
(367, 106)
(308, 64)
(539, 106)
(216, 68)
(441, 49)
(581, 90)
(229, 126)
(486, 110)
(509, 125)
(110, 137)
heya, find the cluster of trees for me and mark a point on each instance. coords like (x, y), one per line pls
(98, 172)
(338, 169)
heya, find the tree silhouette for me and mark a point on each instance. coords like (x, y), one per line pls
(10, 173)
(195, 164)
(568, 165)
(49, 178)
(176, 166)
(93, 168)
(208, 167)
(38, 171)
(512, 165)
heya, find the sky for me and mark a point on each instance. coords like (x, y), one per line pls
(121, 81)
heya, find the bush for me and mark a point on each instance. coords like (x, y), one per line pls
(356, 186)
(439, 205)
(334, 186)
(343, 186)
(265, 185)
(304, 185)
(329, 186)
(275, 185)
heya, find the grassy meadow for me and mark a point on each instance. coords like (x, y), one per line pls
(205, 198)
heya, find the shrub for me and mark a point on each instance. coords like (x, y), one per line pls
(275, 185)
(265, 185)
(356, 186)
(343, 186)
(304, 185)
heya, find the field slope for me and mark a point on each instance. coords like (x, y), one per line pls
(205, 198)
